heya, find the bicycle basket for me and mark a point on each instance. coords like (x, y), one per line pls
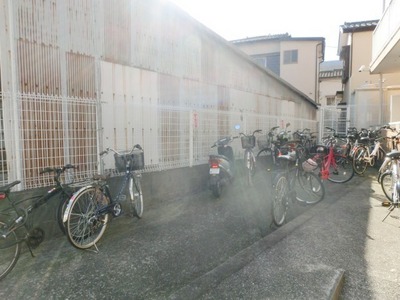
(129, 161)
(248, 141)
(309, 165)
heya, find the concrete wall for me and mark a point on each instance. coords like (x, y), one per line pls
(157, 77)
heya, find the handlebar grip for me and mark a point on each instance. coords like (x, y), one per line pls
(103, 152)
(46, 170)
(69, 166)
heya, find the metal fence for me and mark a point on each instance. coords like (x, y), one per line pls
(51, 131)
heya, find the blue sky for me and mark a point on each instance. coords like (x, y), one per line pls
(236, 19)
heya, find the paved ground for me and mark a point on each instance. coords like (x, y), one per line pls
(205, 248)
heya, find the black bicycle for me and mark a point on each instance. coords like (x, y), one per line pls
(16, 222)
(296, 181)
(88, 211)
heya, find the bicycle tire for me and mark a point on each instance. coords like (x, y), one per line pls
(379, 159)
(85, 226)
(10, 250)
(280, 202)
(359, 162)
(310, 189)
(265, 159)
(387, 186)
(136, 195)
(344, 170)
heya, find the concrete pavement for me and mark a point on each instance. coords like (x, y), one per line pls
(337, 249)
(200, 248)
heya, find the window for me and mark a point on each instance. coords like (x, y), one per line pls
(270, 61)
(290, 56)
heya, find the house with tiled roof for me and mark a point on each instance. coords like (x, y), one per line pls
(295, 59)
(330, 83)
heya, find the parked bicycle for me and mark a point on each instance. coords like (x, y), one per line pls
(366, 155)
(390, 181)
(248, 143)
(335, 167)
(296, 181)
(280, 145)
(89, 209)
(16, 221)
(267, 153)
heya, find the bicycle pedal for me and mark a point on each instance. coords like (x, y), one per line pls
(117, 210)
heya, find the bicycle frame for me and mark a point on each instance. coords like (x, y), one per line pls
(369, 157)
(22, 215)
(129, 175)
(328, 161)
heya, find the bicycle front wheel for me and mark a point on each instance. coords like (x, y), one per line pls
(266, 159)
(341, 169)
(309, 188)
(135, 190)
(10, 249)
(60, 212)
(359, 160)
(387, 186)
(86, 222)
(280, 203)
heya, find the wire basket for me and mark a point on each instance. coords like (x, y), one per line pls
(309, 165)
(129, 161)
(248, 141)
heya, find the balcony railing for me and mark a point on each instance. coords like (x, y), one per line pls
(384, 32)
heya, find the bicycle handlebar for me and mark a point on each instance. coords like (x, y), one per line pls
(108, 149)
(59, 169)
(255, 131)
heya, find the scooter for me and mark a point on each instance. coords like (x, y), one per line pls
(222, 165)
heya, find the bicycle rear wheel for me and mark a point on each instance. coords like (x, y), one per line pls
(10, 251)
(280, 202)
(359, 160)
(85, 224)
(309, 188)
(135, 190)
(341, 170)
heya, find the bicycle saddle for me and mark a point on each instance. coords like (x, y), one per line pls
(6, 188)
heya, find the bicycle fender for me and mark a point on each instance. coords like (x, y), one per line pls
(71, 200)
(276, 177)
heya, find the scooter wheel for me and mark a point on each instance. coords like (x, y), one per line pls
(216, 189)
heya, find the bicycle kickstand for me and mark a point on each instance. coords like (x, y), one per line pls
(391, 208)
(95, 250)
